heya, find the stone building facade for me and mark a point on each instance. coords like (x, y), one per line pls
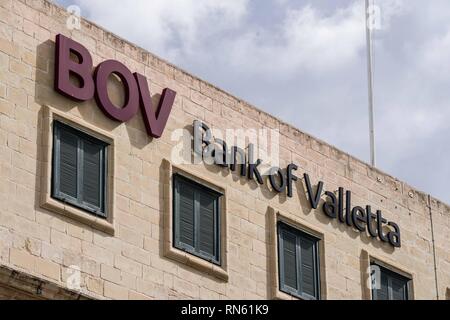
(50, 249)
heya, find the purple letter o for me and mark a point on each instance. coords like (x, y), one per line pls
(102, 73)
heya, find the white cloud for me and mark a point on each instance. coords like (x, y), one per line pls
(309, 40)
(433, 56)
(306, 39)
(166, 27)
(389, 9)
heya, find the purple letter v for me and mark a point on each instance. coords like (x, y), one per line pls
(154, 120)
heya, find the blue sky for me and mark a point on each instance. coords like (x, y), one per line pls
(304, 62)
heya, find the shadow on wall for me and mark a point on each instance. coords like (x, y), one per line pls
(365, 275)
(270, 264)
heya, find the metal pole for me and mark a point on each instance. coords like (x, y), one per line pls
(434, 248)
(370, 85)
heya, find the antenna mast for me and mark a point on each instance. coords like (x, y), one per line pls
(370, 83)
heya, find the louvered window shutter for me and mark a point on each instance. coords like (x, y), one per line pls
(383, 291)
(79, 169)
(290, 259)
(307, 248)
(298, 263)
(398, 289)
(68, 163)
(92, 174)
(207, 224)
(196, 219)
(186, 214)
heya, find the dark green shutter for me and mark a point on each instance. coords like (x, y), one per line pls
(206, 223)
(79, 169)
(398, 287)
(68, 163)
(289, 259)
(92, 166)
(186, 214)
(196, 219)
(307, 248)
(298, 263)
(383, 291)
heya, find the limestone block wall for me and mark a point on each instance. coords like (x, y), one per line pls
(129, 263)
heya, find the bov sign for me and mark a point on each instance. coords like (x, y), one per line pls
(95, 85)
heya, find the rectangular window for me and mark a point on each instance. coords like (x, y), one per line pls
(391, 286)
(298, 263)
(79, 169)
(196, 219)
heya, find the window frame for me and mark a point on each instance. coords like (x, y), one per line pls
(391, 275)
(216, 259)
(78, 202)
(299, 234)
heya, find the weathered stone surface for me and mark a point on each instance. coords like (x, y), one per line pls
(130, 263)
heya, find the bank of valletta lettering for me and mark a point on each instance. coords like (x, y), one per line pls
(362, 219)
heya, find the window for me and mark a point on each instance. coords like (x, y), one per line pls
(298, 262)
(196, 219)
(79, 169)
(392, 286)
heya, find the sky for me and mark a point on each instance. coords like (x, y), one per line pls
(304, 61)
